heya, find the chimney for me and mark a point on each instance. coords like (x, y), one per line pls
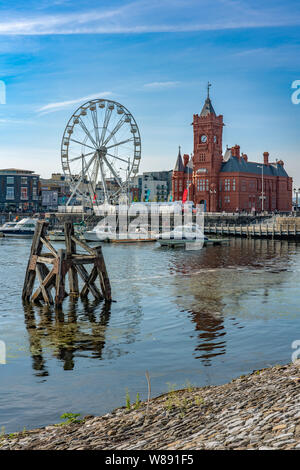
(280, 162)
(235, 151)
(245, 157)
(266, 158)
(185, 159)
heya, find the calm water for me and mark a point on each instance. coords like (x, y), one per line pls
(202, 317)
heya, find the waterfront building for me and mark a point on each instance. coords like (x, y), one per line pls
(154, 185)
(19, 190)
(228, 182)
(54, 191)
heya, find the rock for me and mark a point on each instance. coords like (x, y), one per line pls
(259, 411)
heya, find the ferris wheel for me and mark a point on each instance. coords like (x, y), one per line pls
(100, 151)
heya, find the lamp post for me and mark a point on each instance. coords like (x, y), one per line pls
(296, 191)
(262, 186)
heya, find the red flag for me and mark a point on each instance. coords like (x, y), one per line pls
(184, 197)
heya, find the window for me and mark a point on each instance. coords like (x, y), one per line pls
(207, 186)
(10, 180)
(180, 185)
(10, 193)
(244, 185)
(227, 185)
(24, 194)
(227, 199)
(34, 194)
(202, 157)
(175, 185)
(233, 184)
(201, 185)
(24, 180)
(220, 185)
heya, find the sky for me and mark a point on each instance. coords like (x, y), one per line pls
(156, 59)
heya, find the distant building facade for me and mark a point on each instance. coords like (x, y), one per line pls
(54, 191)
(228, 183)
(152, 185)
(19, 190)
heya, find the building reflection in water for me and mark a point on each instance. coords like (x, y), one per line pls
(63, 334)
(217, 280)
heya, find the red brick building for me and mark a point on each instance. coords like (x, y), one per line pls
(228, 182)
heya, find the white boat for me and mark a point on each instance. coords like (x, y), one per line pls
(109, 234)
(59, 235)
(190, 236)
(25, 228)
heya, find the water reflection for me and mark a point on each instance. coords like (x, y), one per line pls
(64, 334)
(216, 283)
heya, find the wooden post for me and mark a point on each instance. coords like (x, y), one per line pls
(60, 278)
(70, 251)
(103, 276)
(36, 249)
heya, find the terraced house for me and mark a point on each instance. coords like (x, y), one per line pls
(19, 190)
(228, 182)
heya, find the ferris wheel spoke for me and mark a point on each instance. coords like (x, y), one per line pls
(77, 158)
(85, 129)
(118, 158)
(81, 143)
(113, 171)
(103, 181)
(95, 122)
(108, 113)
(95, 171)
(115, 130)
(120, 143)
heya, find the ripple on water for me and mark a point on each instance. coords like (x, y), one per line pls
(202, 316)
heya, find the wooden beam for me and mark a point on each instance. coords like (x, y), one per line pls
(91, 279)
(48, 282)
(71, 252)
(49, 246)
(103, 276)
(36, 249)
(85, 276)
(83, 245)
(60, 279)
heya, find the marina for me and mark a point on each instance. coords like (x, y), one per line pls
(199, 317)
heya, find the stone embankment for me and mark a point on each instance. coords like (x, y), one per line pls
(257, 411)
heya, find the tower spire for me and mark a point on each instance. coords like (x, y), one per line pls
(208, 107)
(179, 165)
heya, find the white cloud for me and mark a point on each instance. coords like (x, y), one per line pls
(143, 16)
(162, 85)
(52, 107)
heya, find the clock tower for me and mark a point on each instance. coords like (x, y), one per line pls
(207, 159)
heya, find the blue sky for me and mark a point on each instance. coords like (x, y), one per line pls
(156, 59)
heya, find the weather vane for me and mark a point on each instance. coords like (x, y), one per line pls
(208, 87)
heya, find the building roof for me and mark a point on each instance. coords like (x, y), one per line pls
(179, 164)
(207, 108)
(16, 171)
(240, 165)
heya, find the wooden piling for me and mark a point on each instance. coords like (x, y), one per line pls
(64, 262)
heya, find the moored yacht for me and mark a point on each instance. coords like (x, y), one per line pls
(23, 229)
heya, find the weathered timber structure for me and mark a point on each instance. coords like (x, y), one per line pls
(63, 262)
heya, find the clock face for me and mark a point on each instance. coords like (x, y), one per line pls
(203, 138)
